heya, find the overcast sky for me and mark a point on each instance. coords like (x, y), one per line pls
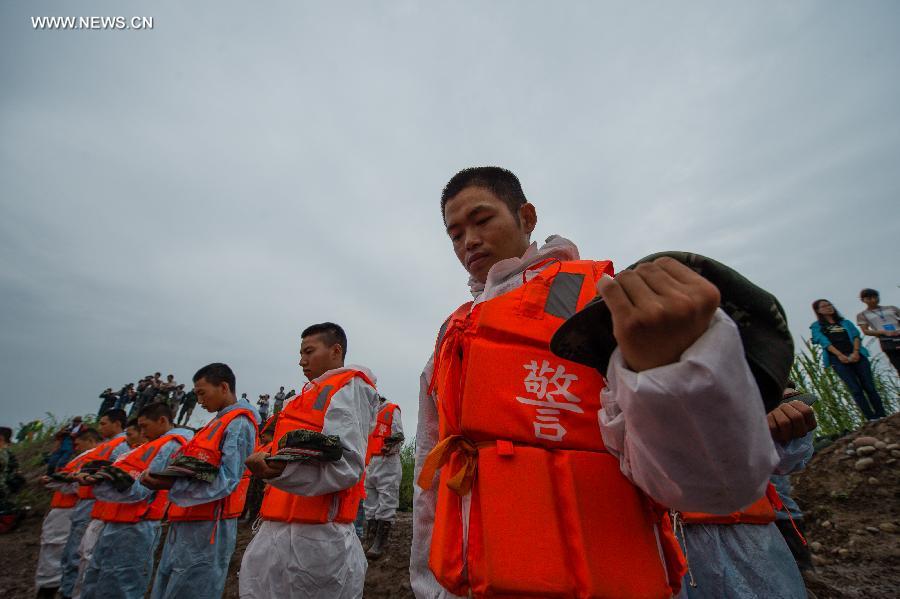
(204, 190)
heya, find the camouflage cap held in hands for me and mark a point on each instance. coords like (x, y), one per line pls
(587, 337)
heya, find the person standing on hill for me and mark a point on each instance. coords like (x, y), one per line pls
(882, 322)
(263, 405)
(279, 401)
(843, 352)
(109, 401)
(189, 402)
(383, 475)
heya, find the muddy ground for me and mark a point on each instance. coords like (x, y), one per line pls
(852, 522)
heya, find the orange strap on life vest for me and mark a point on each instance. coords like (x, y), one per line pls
(307, 411)
(207, 445)
(460, 479)
(761, 511)
(518, 435)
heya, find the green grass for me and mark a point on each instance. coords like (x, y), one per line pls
(408, 461)
(836, 412)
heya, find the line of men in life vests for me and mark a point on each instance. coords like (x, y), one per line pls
(100, 536)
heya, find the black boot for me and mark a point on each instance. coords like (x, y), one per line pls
(371, 533)
(47, 592)
(381, 540)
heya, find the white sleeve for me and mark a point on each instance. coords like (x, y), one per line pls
(693, 434)
(794, 454)
(422, 580)
(397, 423)
(349, 416)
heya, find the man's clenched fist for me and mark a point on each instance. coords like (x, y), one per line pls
(659, 309)
(791, 420)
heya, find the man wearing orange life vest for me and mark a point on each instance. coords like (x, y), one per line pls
(122, 561)
(110, 427)
(306, 545)
(535, 475)
(204, 510)
(58, 527)
(383, 475)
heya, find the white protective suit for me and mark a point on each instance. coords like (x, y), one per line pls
(745, 561)
(383, 478)
(54, 534)
(317, 561)
(692, 435)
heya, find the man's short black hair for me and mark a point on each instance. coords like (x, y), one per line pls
(89, 433)
(332, 334)
(869, 293)
(216, 374)
(117, 415)
(155, 411)
(133, 423)
(499, 181)
(6, 433)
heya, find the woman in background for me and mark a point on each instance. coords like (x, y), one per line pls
(843, 351)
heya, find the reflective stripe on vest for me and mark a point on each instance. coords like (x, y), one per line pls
(134, 463)
(207, 446)
(383, 425)
(101, 452)
(762, 511)
(307, 411)
(544, 484)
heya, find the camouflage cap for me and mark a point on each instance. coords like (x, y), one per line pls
(120, 480)
(190, 467)
(587, 337)
(93, 466)
(303, 445)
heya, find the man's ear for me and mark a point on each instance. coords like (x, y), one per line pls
(528, 217)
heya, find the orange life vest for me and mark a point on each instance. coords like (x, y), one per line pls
(134, 463)
(382, 430)
(762, 511)
(207, 446)
(307, 411)
(67, 500)
(101, 452)
(551, 514)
